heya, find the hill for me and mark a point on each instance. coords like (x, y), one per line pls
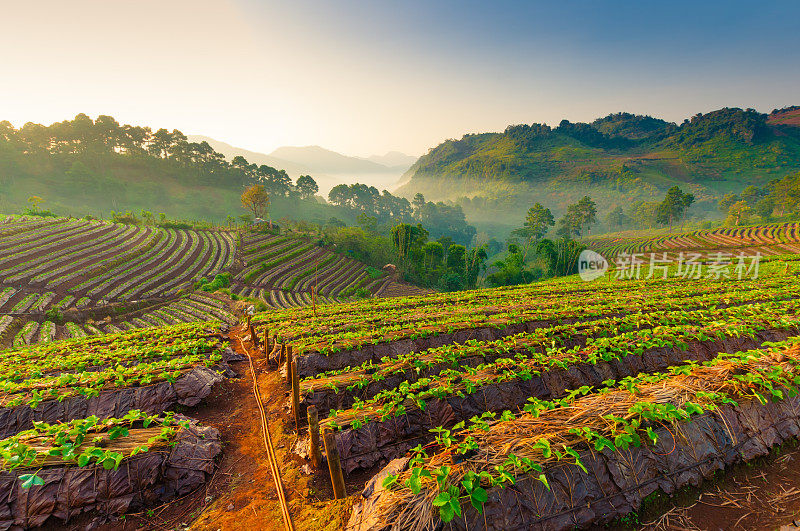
(616, 159)
(314, 159)
(85, 166)
(255, 157)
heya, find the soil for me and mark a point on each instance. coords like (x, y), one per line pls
(762, 494)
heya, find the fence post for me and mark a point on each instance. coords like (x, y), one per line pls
(313, 437)
(289, 364)
(334, 465)
(295, 395)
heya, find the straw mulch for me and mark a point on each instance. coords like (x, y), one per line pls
(402, 509)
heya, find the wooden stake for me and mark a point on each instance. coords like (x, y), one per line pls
(289, 364)
(254, 336)
(313, 437)
(266, 342)
(334, 465)
(295, 395)
(281, 355)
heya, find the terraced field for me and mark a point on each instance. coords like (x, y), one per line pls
(769, 240)
(557, 405)
(57, 275)
(285, 272)
(63, 278)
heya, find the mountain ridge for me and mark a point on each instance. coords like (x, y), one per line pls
(616, 159)
(314, 159)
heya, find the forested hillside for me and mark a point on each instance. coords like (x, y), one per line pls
(616, 159)
(86, 166)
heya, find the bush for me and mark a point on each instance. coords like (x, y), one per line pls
(54, 315)
(222, 280)
(363, 293)
(40, 213)
(451, 282)
(374, 273)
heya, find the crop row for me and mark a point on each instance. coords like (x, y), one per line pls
(50, 267)
(338, 349)
(405, 413)
(100, 260)
(337, 389)
(781, 235)
(118, 465)
(382, 313)
(631, 437)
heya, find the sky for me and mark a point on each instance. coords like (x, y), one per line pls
(366, 77)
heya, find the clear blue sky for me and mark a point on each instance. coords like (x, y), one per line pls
(368, 76)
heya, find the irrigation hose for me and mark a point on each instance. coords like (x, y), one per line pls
(273, 461)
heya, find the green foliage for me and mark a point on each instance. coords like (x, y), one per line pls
(221, 280)
(673, 206)
(623, 158)
(561, 256)
(53, 314)
(85, 166)
(512, 270)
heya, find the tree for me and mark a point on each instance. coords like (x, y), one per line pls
(537, 222)
(418, 202)
(368, 223)
(643, 213)
(738, 212)
(406, 237)
(256, 200)
(475, 262)
(673, 206)
(726, 202)
(434, 253)
(751, 195)
(35, 201)
(586, 211)
(616, 219)
(561, 256)
(579, 215)
(456, 258)
(307, 187)
(764, 208)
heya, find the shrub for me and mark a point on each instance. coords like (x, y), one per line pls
(54, 315)
(221, 280)
(363, 293)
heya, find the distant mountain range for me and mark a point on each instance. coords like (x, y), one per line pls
(616, 160)
(316, 160)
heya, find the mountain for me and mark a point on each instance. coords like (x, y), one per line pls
(321, 160)
(616, 160)
(327, 167)
(394, 159)
(253, 157)
(314, 159)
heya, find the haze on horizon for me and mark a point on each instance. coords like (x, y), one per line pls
(367, 77)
